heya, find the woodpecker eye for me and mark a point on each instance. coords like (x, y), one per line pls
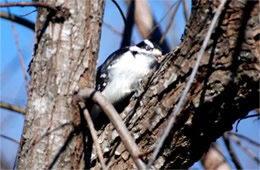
(148, 48)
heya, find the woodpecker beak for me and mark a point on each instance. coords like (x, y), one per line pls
(157, 52)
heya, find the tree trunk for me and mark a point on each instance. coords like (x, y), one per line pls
(66, 48)
(225, 89)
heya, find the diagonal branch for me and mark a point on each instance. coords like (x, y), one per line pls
(116, 120)
(21, 58)
(170, 23)
(231, 152)
(249, 152)
(95, 138)
(181, 102)
(245, 138)
(186, 10)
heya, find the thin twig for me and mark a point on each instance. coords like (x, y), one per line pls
(246, 117)
(245, 138)
(21, 58)
(28, 13)
(121, 12)
(250, 153)
(17, 19)
(186, 10)
(95, 138)
(8, 138)
(117, 32)
(112, 29)
(231, 152)
(187, 88)
(23, 4)
(170, 23)
(158, 24)
(116, 120)
(12, 108)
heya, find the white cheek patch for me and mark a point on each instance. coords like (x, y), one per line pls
(139, 50)
(149, 43)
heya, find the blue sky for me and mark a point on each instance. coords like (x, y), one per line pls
(12, 87)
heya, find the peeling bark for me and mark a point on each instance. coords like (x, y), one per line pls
(226, 88)
(65, 56)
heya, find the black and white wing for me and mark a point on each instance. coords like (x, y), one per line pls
(103, 74)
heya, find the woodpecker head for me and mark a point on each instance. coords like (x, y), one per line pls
(148, 48)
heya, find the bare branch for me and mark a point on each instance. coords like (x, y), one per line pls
(246, 117)
(95, 138)
(170, 23)
(117, 32)
(8, 138)
(21, 58)
(116, 120)
(28, 13)
(214, 159)
(121, 12)
(23, 4)
(17, 19)
(145, 23)
(231, 152)
(251, 154)
(143, 17)
(188, 86)
(158, 24)
(12, 108)
(245, 138)
(186, 10)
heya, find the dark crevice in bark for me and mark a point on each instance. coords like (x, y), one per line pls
(63, 148)
(241, 35)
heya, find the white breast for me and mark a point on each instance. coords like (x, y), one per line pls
(126, 73)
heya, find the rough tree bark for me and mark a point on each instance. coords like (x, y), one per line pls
(226, 88)
(66, 48)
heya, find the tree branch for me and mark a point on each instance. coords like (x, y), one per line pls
(121, 12)
(170, 23)
(21, 58)
(186, 10)
(95, 138)
(23, 4)
(12, 108)
(9, 138)
(17, 19)
(245, 138)
(116, 120)
(251, 154)
(231, 152)
(214, 159)
(182, 100)
(128, 25)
